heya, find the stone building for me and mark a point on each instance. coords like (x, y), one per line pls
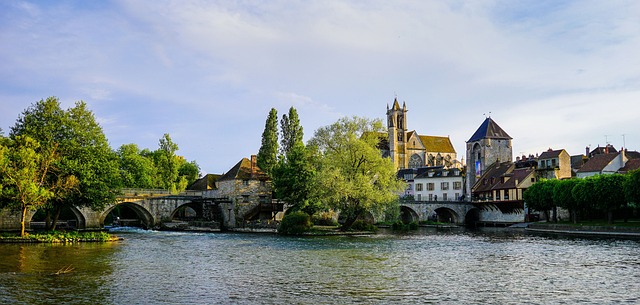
(554, 164)
(488, 145)
(408, 149)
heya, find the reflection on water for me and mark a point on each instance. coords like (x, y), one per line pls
(430, 266)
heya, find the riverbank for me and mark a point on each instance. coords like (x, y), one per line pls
(584, 230)
(59, 237)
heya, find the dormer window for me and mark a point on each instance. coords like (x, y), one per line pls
(431, 174)
(445, 173)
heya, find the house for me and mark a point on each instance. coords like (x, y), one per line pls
(601, 164)
(554, 164)
(249, 190)
(439, 184)
(503, 182)
(207, 182)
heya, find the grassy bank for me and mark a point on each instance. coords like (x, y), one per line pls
(58, 237)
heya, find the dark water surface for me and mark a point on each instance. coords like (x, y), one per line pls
(444, 267)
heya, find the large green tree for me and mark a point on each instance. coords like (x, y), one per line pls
(136, 169)
(539, 197)
(84, 153)
(24, 166)
(352, 174)
(268, 154)
(291, 130)
(294, 180)
(563, 197)
(610, 194)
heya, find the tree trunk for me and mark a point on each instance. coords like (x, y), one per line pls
(610, 217)
(22, 220)
(546, 215)
(555, 214)
(47, 219)
(56, 215)
(348, 223)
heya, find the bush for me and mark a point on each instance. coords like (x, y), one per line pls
(401, 226)
(360, 225)
(295, 223)
(324, 219)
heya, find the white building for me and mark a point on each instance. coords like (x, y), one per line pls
(439, 184)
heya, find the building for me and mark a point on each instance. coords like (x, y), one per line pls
(601, 164)
(488, 145)
(439, 184)
(503, 182)
(408, 149)
(554, 164)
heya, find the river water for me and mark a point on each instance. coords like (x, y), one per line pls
(454, 266)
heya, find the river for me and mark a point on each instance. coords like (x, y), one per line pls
(453, 266)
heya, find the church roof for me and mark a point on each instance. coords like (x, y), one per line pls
(437, 144)
(489, 129)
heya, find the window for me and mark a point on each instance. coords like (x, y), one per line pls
(245, 182)
(553, 162)
(444, 196)
(506, 194)
(245, 198)
(498, 194)
(444, 185)
(457, 185)
(430, 186)
(457, 196)
(430, 197)
(419, 197)
(264, 199)
(418, 187)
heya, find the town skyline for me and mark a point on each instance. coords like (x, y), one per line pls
(552, 75)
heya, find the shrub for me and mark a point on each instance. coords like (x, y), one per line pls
(401, 226)
(295, 223)
(360, 225)
(324, 219)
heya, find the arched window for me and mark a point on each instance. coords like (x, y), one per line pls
(438, 160)
(415, 161)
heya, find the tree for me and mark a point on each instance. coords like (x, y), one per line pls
(632, 187)
(84, 154)
(24, 166)
(291, 131)
(353, 176)
(294, 180)
(137, 170)
(563, 197)
(584, 193)
(610, 194)
(268, 153)
(539, 197)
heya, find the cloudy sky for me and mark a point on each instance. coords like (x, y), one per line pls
(558, 74)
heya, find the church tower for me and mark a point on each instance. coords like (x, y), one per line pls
(489, 144)
(397, 126)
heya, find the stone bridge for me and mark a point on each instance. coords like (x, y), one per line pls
(152, 207)
(457, 212)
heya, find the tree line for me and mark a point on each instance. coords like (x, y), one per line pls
(339, 169)
(589, 198)
(54, 157)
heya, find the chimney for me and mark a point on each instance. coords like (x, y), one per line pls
(606, 149)
(254, 165)
(587, 151)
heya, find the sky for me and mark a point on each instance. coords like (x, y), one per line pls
(553, 74)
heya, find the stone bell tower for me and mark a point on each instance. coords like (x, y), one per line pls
(489, 144)
(397, 127)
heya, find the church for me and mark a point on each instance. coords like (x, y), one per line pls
(408, 149)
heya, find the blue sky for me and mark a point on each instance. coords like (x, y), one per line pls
(559, 74)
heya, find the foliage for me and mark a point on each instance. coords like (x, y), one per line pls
(291, 132)
(136, 169)
(295, 223)
(324, 218)
(353, 177)
(84, 156)
(539, 196)
(24, 166)
(610, 193)
(563, 197)
(404, 227)
(294, 180)
(632, 187)
(62, 237)
(268, 154)
(361, 226)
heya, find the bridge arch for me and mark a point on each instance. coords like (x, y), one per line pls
(67, 211)
(143, 214)
(472, 217)
(408, 215)
(447, 215)
(182, 211)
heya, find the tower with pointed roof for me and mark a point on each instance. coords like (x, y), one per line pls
(408, 149)
(397, 128)
(488, 145)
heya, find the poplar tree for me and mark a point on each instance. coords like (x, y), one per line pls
(268, 154)
(291, 131)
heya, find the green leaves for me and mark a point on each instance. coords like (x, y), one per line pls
(268, 154)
